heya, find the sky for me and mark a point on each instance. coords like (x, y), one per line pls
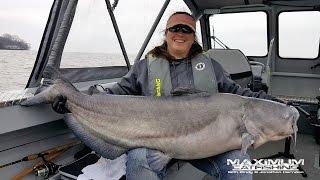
(92, 29)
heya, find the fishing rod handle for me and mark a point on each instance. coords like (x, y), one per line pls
(59, 148)
(27, 171)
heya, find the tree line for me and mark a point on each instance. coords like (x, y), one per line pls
(13, 42)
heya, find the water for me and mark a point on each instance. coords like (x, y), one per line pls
(16, 65)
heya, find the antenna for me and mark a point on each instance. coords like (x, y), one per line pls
(214, 41)
(217, 40)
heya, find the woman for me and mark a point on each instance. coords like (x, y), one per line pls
(173, 61)
(179, 62)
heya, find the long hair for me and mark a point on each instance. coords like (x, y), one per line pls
(161, 51)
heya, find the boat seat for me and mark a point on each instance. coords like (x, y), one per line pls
(235, 63)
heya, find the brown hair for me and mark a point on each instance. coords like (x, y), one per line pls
(161, 51)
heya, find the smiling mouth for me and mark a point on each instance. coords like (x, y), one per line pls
(179, 41)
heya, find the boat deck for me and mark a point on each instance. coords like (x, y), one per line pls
(14, 146)
(306, 149)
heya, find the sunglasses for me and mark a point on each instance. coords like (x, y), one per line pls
(181, 28)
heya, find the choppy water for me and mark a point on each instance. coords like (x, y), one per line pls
(16, 65)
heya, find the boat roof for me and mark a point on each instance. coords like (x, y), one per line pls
(197, 6)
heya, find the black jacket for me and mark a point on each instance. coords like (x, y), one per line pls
(135, 82)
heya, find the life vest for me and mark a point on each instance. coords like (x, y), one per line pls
(160, 80)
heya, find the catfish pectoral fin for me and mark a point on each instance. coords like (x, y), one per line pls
(247, 141)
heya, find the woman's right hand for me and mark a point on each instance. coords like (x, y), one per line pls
(59, 105)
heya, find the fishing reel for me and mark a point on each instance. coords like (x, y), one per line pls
(46, 169)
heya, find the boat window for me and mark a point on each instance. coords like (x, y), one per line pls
(92, 41)
(246, 31)
(21, 27)
(299, 34)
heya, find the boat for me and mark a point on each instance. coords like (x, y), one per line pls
(282, 59)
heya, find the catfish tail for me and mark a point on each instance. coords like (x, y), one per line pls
(48, 92)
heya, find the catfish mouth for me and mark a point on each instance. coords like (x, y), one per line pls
(279, 137)
(290, 131)
(293, 132)
(287, 127)
(257, 143)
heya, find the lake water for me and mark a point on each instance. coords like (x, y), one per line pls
(16, 65)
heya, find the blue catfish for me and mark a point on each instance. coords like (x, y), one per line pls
(182, 127)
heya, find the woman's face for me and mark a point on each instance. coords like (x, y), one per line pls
(179, 43)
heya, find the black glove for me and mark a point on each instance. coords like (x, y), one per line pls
(59, 105)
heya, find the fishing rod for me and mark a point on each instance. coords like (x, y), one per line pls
(41, 168)
(53, 150)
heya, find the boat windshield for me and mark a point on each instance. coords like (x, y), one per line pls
(92, 41)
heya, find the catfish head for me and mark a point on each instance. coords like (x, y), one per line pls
(267, 120)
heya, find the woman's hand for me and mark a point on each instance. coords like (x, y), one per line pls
(59, 105)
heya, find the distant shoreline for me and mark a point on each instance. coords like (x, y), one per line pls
(13, 42)
(15, 49)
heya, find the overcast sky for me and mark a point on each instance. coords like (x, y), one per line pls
(92, 29)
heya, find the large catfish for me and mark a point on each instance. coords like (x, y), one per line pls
(181, 127)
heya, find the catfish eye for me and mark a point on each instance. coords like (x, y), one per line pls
(286, 115)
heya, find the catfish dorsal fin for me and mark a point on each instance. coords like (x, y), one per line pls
(183, 90)
(187, 91)
(60, 81)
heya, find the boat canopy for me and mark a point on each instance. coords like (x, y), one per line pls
(52, 45)
(197, 6)
(61, 18)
